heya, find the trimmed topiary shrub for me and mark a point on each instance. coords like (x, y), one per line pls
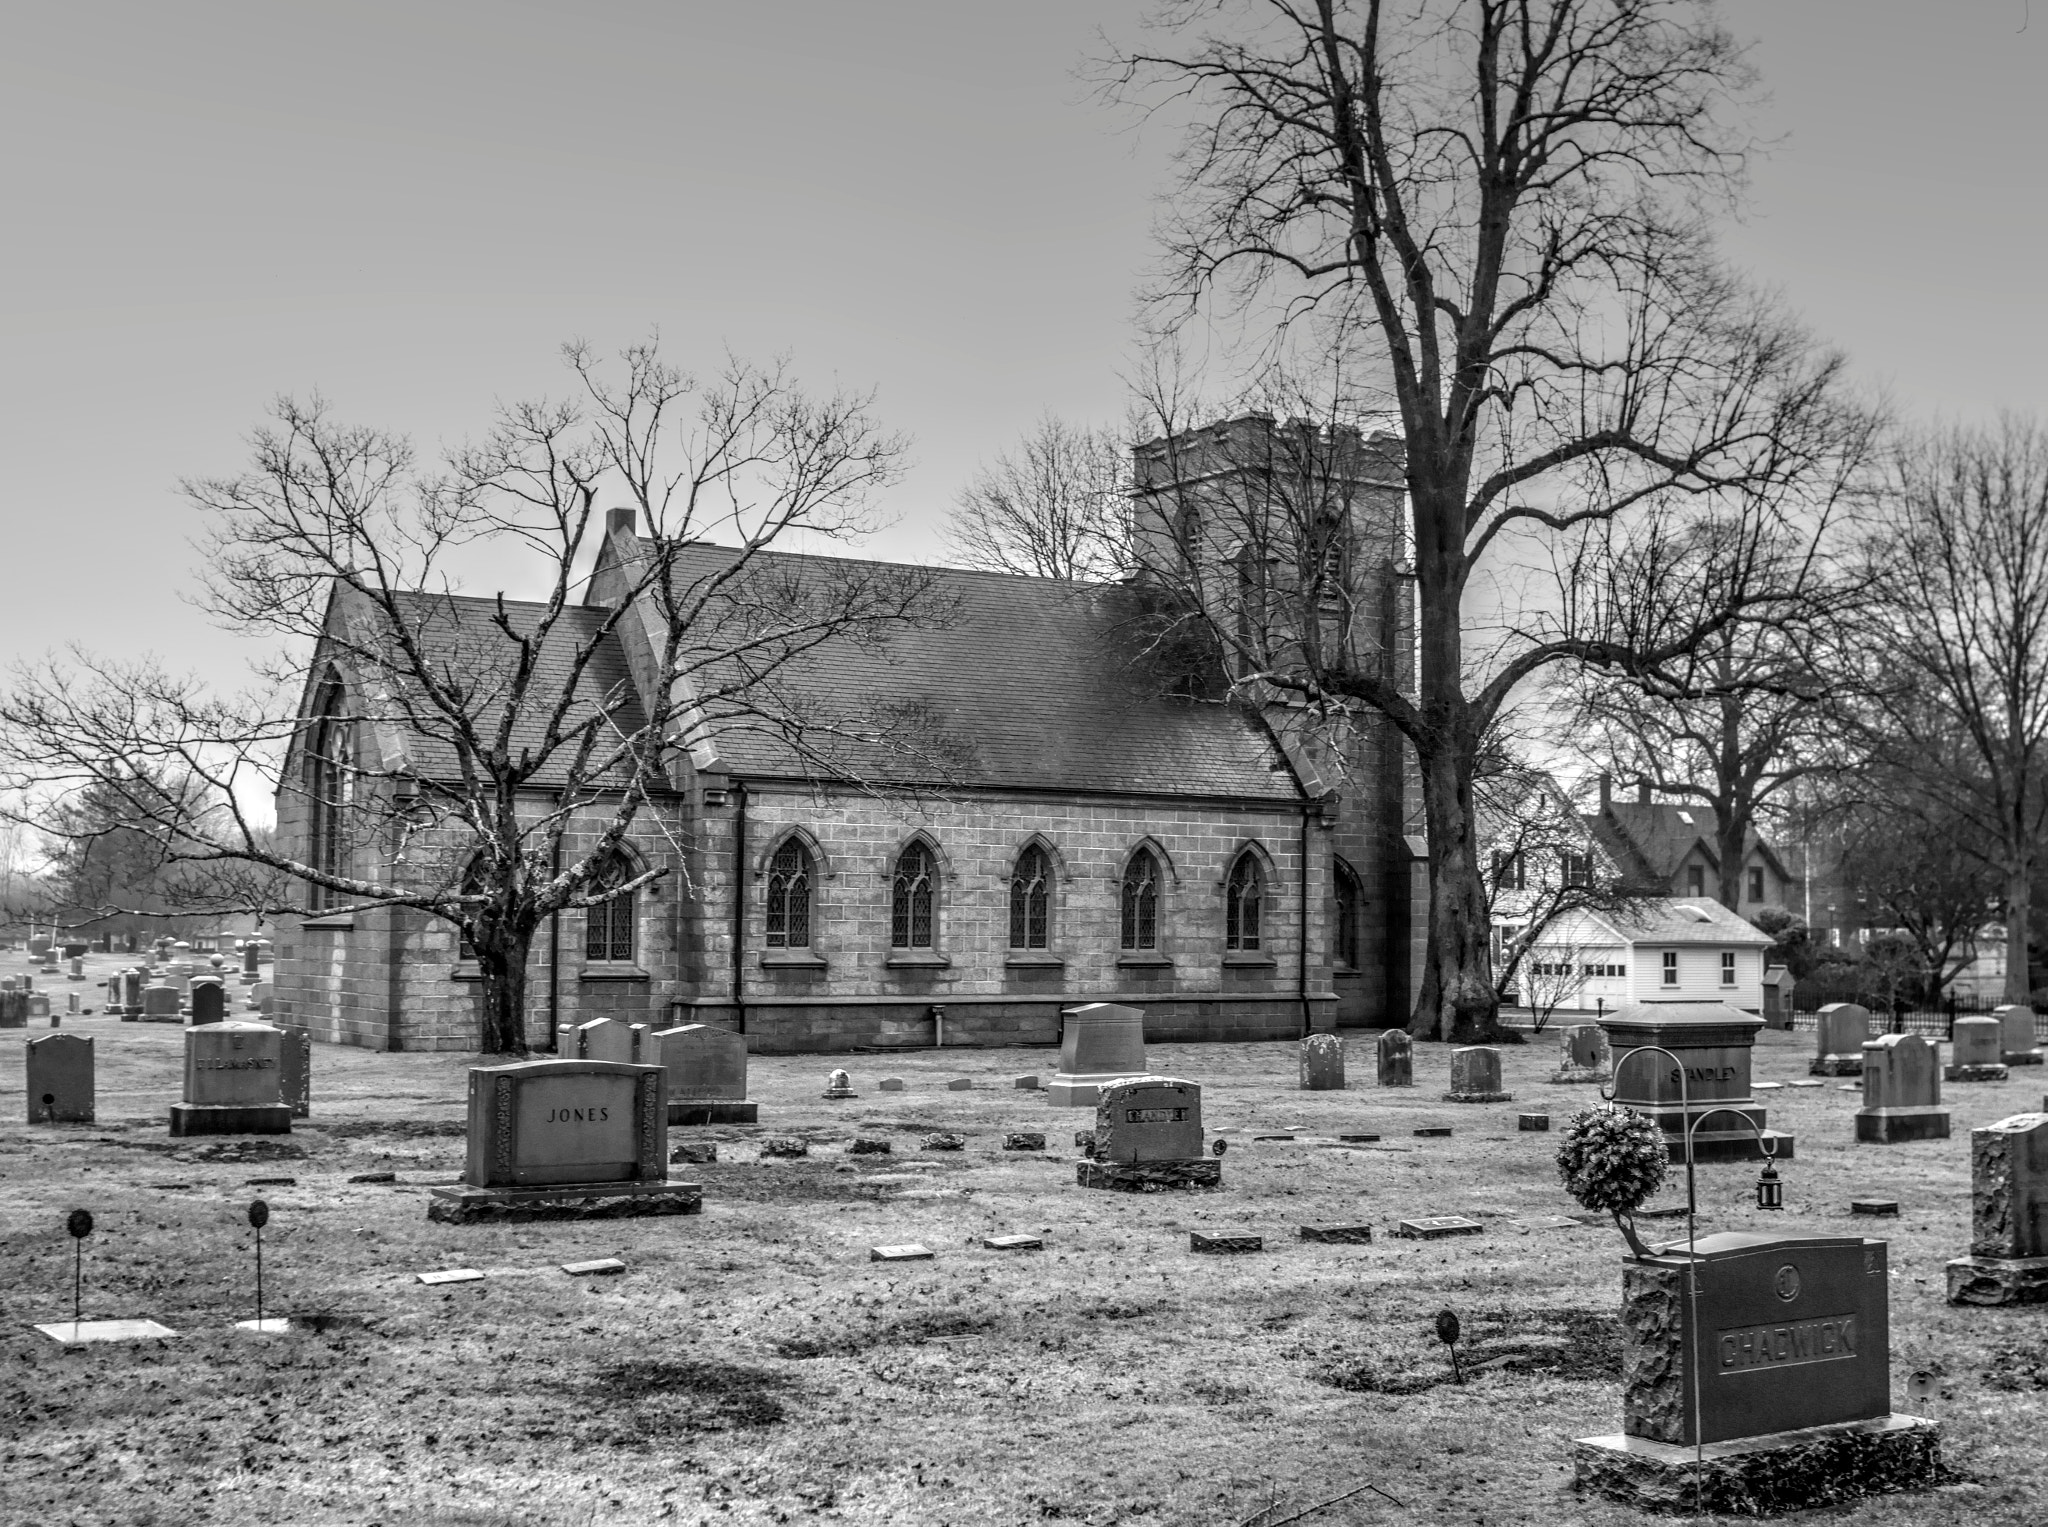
(1612, 1159)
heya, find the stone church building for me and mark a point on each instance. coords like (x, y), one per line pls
(1095, 835)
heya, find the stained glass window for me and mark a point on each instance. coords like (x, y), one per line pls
(1030, 902)
(910, 904)
(1242, 894)
(1350, 895)
(789, 898)
(1141, 901)
(608, 926)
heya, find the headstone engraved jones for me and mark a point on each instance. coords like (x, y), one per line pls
(548, 1123)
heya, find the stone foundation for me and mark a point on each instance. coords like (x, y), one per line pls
(1479, 1097)
(1757, 1476)
(2020, 1057)
(1148, 1176)
(224, 1119)
(1893, 1126)
(1998, 1280)
(1711, 1146)
(466, 1205)
(1973, 1073)
(1581, 1074)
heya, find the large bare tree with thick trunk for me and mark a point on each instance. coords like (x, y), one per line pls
(511, 728)
(1498, 207)
(1960, 546)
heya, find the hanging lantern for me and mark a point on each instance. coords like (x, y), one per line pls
(1770, 1192)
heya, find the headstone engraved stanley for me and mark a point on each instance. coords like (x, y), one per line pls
(1842, 1030)
(209, 1001)
(565, 1139)
(1148, 1137)
(1790, 1402)
(1582, 1054)
(295, 1076)
(1977, 1051)
(1901, 1091)
(232, 1072)
(1396, 1052)
(2008, 1260)
(1099, 1042)
(707, 1075)
(1322, 1063)
(1475, 1076)
(59, 1079)
(1714, 1042)
(2016, 1038)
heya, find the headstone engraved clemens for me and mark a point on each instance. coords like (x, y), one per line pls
(707, 1075)
(1583, 1054)
(1322, 1063)
(565, 1139)
(1148, 1137)
(2016, 1041)
(1475, 1076)
(232, 1072)
(59, 1079)
(1793, 1342)
(1843, 1027)
(1901, 1091)
(1714, 1042)
(1977, 1051)
(2008, 1260)
(1396, 1052)
(1099, 1042)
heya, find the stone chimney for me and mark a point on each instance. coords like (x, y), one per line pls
(616, 520)
(1642, 792)
(1606, 789)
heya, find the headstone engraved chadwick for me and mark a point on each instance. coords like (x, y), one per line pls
(565, 1139)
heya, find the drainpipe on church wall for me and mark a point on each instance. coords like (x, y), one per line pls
(1301, 942)
(555, 953)
(739, 905)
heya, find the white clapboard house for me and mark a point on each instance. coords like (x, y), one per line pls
(1664, 949)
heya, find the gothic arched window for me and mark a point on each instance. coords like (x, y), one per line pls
(1140, 901)
(1350, 898)
(1030, 899)
(1242, 895)
(472, 884)
(609, 925)
(910, 899)
(789, 897)
(330, 789)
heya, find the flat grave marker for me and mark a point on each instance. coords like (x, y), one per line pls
(890, 1084)
(909, 1252)
(597, 1267)
(1435, 1226)
(960, 1084)
(79, 1333)
(1013, 1242)
(1434, 1132)
(1882, 1207)
(450, 1275)
(1336, 1235)
(1359, 1139)
(1532, 1123)
(1224, 1245)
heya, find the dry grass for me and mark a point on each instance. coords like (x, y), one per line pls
(752, 1366)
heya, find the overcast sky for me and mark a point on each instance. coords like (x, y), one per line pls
(408, 205)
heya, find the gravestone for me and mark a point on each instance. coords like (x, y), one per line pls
(1583, 1054)
(232, 1071)
(252, 962)
(13, 1009)
(600, 1039)
(565, 1139)
(1844, 1027)
(75, 968)
(1322, 1063)
(1148, 1137)
(2016, 1038)
(1977, 1052)
(1790, 1402)
(1099, 1042)
(1396, 1053)
(209, 1002)
(838, 1086)
(131, 993)
(1475, 1076)
(58, 1079)
(160, 1003)
(1901, 1091)
(260, 997)
(707, 1075)
(2008, 1260)
(38, 1005)
(295, 1075)
(1709, 1092)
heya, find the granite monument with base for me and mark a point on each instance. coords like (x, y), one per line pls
(1756, 1378)
(1843, 1029)
(2017, 1043)
(1099, 1042)
(707, 1075)
(565, 1139)
(232, 1075)
(1475, 1076)
(1715, 1042)
(1901, 1091)
(1148, 1138)
(1976, 1051)
(2008, 1260)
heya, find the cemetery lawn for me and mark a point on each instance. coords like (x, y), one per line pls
(751, 1365)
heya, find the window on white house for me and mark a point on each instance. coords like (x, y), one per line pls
(1695, 880)
(1671, 967)
(1727, 967)
(1756, 883)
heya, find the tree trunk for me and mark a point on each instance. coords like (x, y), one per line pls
(503, 969)
(2019, 895)
(1728, 843)
(1461, 956)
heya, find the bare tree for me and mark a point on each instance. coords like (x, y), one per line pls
(1055, 507)
(1960, 543)
(1500, 205)
(338, 541)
